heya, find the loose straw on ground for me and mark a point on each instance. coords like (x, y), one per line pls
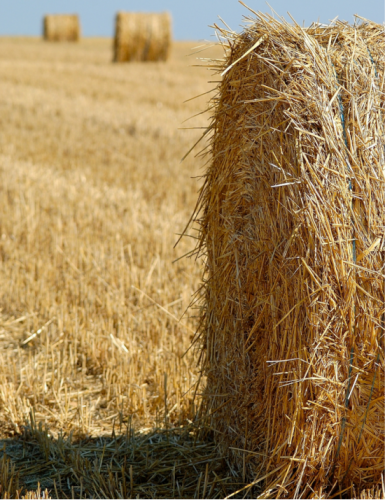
(155, 463)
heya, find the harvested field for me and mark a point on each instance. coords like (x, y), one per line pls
(96, 399)
(93, 195)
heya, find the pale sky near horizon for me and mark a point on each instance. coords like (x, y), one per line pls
(191, 18)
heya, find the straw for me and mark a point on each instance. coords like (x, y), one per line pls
(142, 37)
(291, 220)
(61, 28)
(158, 463)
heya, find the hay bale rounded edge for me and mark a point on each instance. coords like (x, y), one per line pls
(292, 229)
(61, 28)
(142, 36)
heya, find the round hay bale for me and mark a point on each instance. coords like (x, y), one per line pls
(292, 228)
(61, 28)
(142, 37)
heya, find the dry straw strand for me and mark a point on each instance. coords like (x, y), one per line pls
(291, 220)
(61, 28)
(142, 36)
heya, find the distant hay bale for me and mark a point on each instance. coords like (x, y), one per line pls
(292, 227)
(142, 37)
(61, 28)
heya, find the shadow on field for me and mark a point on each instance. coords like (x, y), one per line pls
(155, 464)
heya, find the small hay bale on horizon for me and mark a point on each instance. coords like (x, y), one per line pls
(142, 36)
(61, 28)
(292, 230)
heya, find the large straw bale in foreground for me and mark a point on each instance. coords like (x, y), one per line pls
(61, 28)
(142, 37)
(292, 218)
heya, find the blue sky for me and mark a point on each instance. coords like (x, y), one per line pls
(191, 17)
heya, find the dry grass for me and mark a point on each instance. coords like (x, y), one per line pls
(93, 195)
(292, 231)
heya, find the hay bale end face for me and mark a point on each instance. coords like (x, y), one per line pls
(292, 227)
(61, 28)
(142, 37)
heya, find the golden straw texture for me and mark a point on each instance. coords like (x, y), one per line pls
(61, 28)
(142, 37)
(291, 222)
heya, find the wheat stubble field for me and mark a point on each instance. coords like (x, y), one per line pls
(93, 197)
